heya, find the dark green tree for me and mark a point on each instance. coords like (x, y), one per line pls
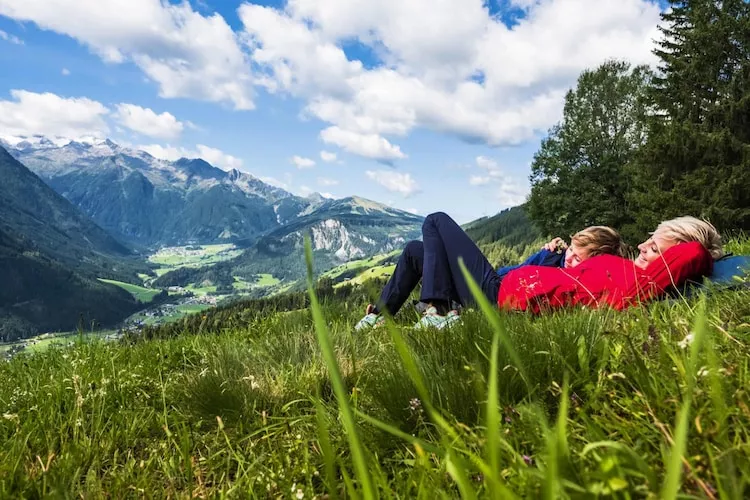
(578, 176)
(696, 160)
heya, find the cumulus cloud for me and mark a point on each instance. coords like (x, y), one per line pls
(30, 113)
(65, 72)
(145, 121)
(328, 156)
(395, 182)
(451, 67)
(215, 157)
(185, 53)
(302, 162)
(367, 145)
(10, 38)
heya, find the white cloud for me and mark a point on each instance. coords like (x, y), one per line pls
(214, 156)
(478, 180)
(367, 145)
(327, 156)
(324, 181)
(486, 163)
(449, 67)
(491, 166)
(145, 121)
(10, 38)
(302, 162)
(504, 188)
(218, 158)
(274, 182)
(65, 72)
(185, 53)
(510, 194)
(396, 182)
(50, 115)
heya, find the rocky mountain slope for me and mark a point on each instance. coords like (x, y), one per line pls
(150, 202)
(339, 230)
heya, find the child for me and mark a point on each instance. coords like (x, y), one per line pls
(434, 260)
(590, 242)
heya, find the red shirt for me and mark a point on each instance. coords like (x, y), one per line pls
(603, 280)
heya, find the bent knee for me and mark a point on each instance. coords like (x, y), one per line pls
(414, 247)
(435, 217)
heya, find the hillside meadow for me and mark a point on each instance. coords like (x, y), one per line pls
(652, 402)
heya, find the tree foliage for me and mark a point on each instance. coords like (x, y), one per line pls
(635, 148)
(578, 176)
(697, 157)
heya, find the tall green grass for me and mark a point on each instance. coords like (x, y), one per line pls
(650, 402)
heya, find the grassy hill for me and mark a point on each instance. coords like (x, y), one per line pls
(507, 237)
(580, 403)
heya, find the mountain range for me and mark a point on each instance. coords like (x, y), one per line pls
(83, 207)
(149, 202)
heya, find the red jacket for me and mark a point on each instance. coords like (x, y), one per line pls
(603, 280)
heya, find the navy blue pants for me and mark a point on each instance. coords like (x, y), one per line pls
(434, 260)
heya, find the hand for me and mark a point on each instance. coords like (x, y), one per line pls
(370, 309)
(555, 245)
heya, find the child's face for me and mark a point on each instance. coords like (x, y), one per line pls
(575, 254)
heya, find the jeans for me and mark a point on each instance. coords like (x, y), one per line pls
(434, 260)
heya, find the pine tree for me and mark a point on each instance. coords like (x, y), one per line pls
(697, 157)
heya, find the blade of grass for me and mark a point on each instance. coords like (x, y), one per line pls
(671, 484)
(490, 312)
(413, 371)
(493, 424)
(329, 356)
(326, 448)
(456, 471)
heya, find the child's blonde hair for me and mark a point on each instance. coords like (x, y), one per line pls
(686, 228)
(599, 240)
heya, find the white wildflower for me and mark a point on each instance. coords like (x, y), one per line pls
(684, 343)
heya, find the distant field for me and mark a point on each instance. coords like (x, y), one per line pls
(200, 290)
(142, 294)
(192, 308)
(178, 312)
(186, 256)
(261, 281)
(357, 264)
(171, 258)
(43, 342)
(368, 274)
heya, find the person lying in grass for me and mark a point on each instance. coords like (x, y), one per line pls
(680, 250)
(435, 261)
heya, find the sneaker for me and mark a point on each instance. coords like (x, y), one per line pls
(431, 319)
(371, 320)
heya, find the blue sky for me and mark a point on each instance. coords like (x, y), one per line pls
(422, 104)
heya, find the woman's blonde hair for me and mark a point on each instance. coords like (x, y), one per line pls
(686, 228)
(599, 240)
